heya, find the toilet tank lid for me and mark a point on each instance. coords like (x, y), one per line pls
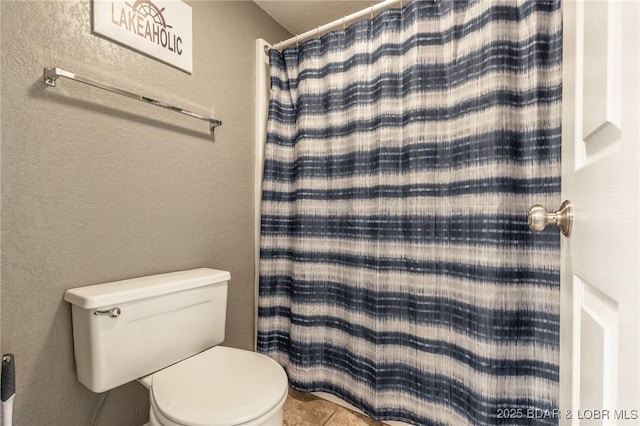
(109, 294)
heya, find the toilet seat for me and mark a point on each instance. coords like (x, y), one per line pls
(218, 387)
(272, 417)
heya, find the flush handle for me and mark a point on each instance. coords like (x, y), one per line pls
(562, 218)
(113, 312)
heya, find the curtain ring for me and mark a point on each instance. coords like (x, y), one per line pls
(318, 32)
(344, 26)
(297, 45)
(372, 12)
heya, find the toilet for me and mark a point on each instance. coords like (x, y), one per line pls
(164, 331)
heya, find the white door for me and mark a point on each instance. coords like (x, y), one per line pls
(600, 297)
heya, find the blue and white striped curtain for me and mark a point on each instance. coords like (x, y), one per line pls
(397, 270)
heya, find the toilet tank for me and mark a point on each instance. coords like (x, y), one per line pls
(127, 329)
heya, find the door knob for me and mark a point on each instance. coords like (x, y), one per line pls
(539, 218)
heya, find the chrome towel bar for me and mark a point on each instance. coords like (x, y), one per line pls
(50, 76)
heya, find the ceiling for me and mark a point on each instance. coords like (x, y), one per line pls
(298, 17)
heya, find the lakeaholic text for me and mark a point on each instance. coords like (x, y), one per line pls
(146, 28)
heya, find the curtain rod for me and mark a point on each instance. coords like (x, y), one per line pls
(323, 29)
(52, 74)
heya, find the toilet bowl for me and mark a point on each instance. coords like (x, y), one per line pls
(164, 331)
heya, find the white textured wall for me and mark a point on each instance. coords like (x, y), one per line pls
(97, 187)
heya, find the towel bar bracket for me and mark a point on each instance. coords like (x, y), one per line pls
(50, 77)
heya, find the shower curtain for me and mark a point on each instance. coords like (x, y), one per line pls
(397, 270)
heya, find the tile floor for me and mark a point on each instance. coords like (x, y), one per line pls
(302, 409)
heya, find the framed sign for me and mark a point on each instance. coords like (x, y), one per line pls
(159, 28)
